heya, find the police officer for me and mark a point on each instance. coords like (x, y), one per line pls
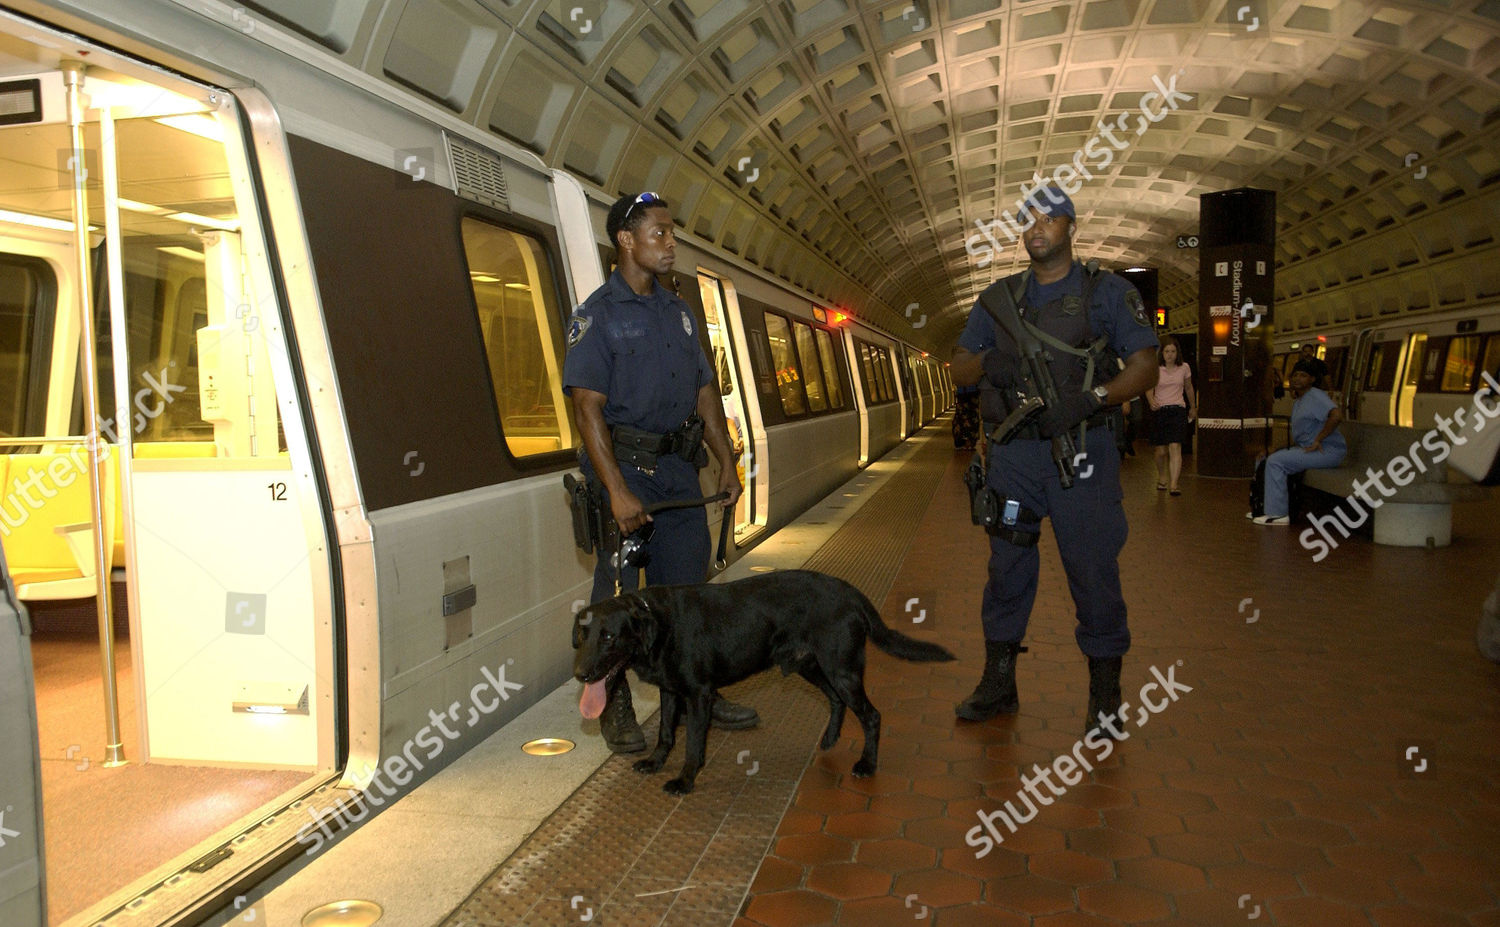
(1088, 519)
(637, 374)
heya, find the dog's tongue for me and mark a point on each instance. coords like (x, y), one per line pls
(591, 705)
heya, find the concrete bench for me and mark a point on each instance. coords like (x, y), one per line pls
(1419, 511)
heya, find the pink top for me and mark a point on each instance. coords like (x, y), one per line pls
(1169, 381)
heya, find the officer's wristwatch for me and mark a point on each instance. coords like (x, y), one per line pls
(1101, 393)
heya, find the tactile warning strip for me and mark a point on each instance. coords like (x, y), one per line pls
(620, 851)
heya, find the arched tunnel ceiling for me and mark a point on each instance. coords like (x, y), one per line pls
(852, 148)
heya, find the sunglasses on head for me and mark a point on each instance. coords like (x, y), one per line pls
(645, 199)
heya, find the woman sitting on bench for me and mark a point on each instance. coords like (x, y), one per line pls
(1316, 442)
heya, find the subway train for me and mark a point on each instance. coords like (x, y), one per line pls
(1399, 372)
(329, 436)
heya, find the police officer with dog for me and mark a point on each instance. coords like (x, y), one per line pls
(646, 403)
(1059, 328)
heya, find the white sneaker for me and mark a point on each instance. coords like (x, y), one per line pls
(1272, 520)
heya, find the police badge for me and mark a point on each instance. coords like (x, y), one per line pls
(687, 324)
(578, 326)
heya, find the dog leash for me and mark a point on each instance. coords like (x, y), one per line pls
(721, 561)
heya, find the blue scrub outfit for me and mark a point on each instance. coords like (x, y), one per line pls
(1088, 519)
(1309, 415)
(643, 354)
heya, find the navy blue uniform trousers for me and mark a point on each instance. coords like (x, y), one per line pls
(679, 546)
(1088, 521)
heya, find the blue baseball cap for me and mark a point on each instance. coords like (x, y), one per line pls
(1050, 200)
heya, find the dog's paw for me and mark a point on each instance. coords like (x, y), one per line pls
(864, 769)
(678, 786)
(648, 766)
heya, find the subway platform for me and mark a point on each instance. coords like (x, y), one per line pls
(1329, 754)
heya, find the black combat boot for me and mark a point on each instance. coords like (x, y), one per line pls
(617, 723)
(1104, 692)
(996, 693)
(732, 716)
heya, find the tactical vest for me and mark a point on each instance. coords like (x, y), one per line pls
(1078, 360)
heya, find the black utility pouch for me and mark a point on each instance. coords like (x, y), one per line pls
(984, 502)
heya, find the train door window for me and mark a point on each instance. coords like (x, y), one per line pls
(872, 379)
(1491, 363)
(516, 298)
(28, 305)
(784, 359)
(1459, 364)
(874, 386)
(831, 369)
(1427, 371)
(1336, 359)
(812, 367)
(1383, 362)
(883, 369)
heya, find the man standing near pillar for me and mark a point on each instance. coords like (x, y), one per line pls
(1086, 318)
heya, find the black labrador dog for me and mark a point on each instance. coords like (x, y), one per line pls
(690, 640)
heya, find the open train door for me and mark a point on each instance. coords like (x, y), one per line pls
(1358, 371)
(746, 434)
(22, 898)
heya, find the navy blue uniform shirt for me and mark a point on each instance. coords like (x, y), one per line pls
(641, 352)
(1115, 312)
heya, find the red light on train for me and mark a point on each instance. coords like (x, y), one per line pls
(838, 318)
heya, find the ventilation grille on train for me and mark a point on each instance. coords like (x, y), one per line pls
(477, 174)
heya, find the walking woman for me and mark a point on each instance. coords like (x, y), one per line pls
(1173, 406)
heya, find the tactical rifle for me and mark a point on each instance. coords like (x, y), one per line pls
(1037, 382)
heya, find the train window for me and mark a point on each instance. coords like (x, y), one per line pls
(830, 369)
(519, 317)
(28, 305)
(1459, 364)
(812, 366)
(784, 360)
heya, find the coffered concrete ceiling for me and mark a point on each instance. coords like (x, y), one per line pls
(856, 148)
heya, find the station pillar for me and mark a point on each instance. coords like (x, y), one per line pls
(1236, 263)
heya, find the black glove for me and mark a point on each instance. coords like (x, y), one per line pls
(1072, 408)
(1003, 370)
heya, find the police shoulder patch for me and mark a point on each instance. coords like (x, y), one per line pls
(1137, 306)
(578, 326)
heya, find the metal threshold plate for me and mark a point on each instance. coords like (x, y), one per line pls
(343, 914)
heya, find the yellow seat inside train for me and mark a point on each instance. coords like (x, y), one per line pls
(46, 516)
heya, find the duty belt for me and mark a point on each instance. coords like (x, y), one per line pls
(642, 448)
(1030, 429)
